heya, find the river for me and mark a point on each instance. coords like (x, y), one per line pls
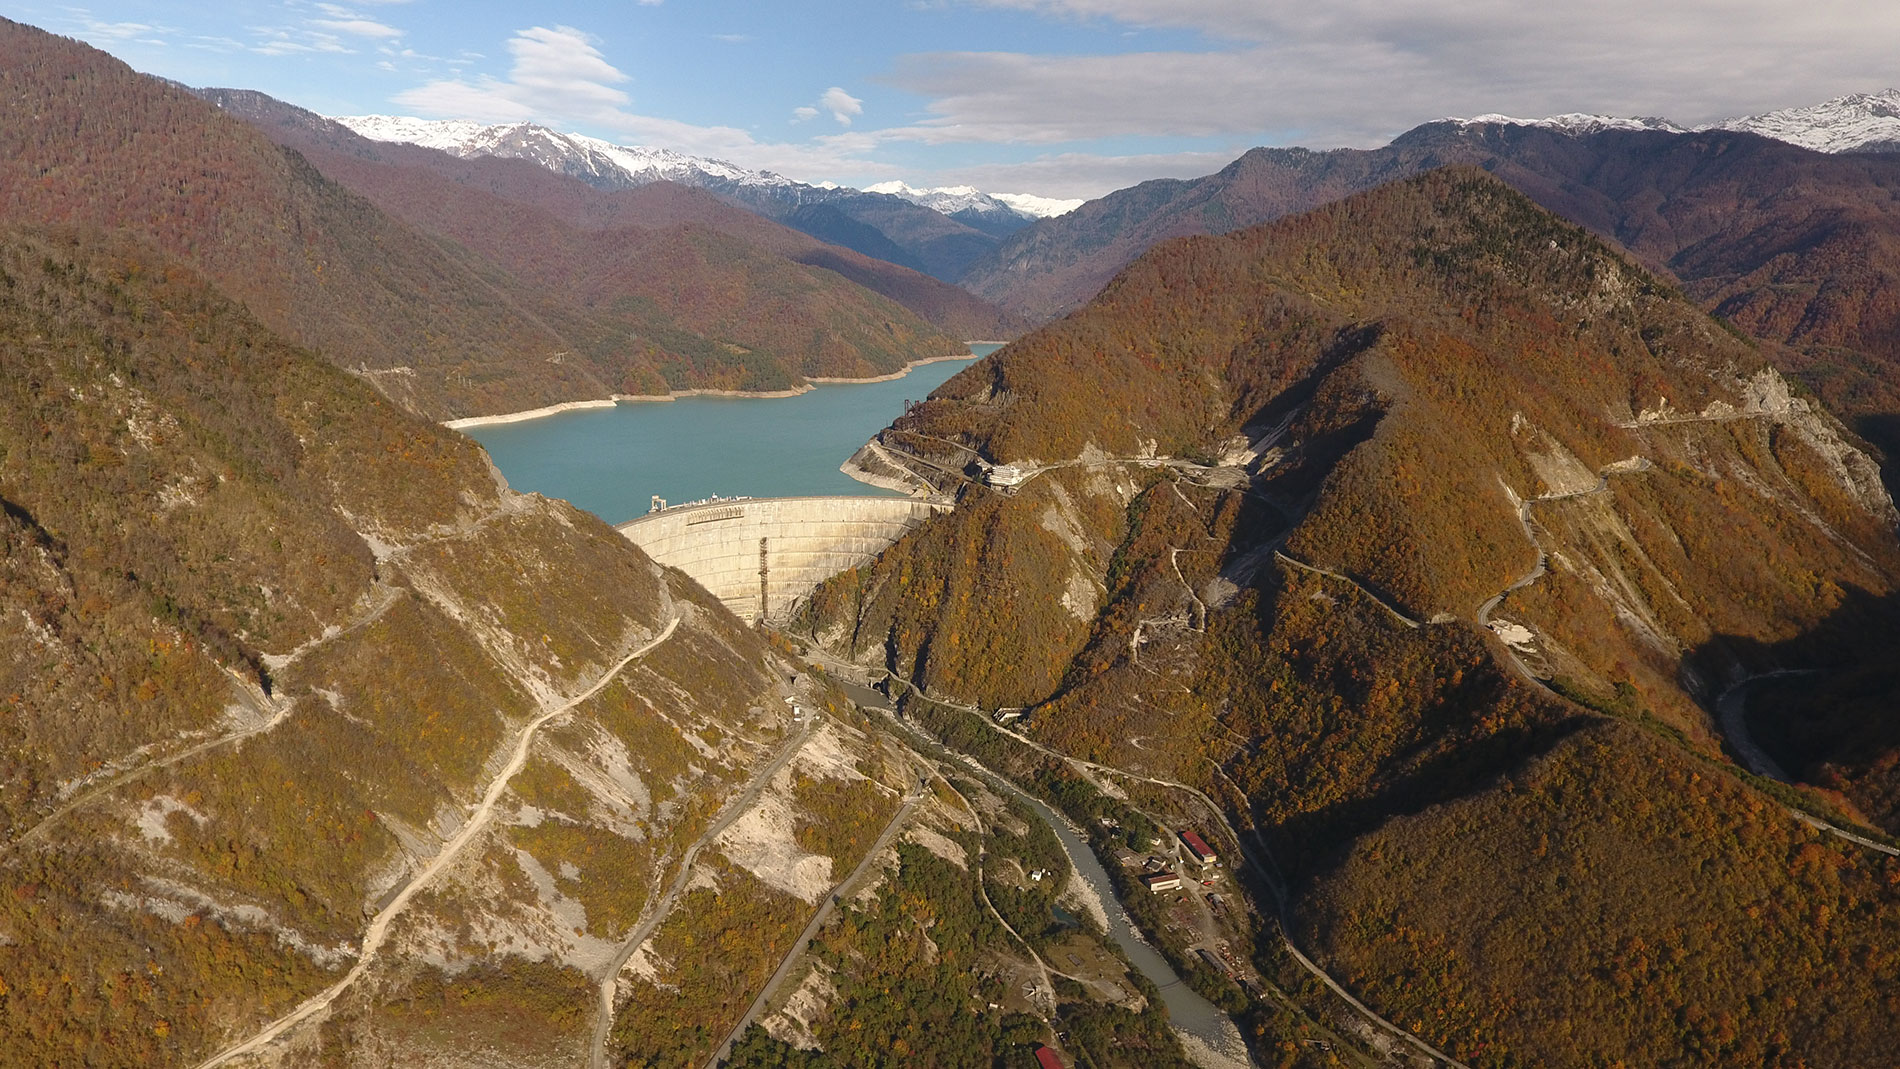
(612, 461)
(1212, 1038)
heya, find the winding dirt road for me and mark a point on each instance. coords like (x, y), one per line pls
(378, 929)
(657, 912)
(274, 710)
(827, 904)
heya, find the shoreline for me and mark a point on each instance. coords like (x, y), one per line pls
(525, 415)
(810, 384)
(895, 375)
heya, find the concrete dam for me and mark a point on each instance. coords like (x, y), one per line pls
(761, 556)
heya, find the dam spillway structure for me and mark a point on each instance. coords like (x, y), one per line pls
(761, 556)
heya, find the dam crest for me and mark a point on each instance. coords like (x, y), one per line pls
(762, 556)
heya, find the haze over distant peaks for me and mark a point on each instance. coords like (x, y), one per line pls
(900, 229)
(589, 158)
(1860, 122)
(605, 163)
(953, 199)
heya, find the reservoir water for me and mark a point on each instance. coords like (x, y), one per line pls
(611, 461)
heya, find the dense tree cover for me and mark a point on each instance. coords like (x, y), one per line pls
(1439, 358)
(458, 301)
(1434, 352)
(973, 603)
(1830, 723)
(1793, 245)
(913, 969)
(1630, 907)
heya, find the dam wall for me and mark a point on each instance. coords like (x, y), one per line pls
(761, 556)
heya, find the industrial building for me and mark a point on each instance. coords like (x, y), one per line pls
(1198, 847)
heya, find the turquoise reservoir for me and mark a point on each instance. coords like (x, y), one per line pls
(611, 461)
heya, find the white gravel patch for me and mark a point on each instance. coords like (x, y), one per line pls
(760, 842)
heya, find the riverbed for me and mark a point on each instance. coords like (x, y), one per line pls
(1211, 1038)
(612, 461)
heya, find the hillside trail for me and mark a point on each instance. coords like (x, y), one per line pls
(272, 710)
(275, 711)
(1391, 610)
(657, 911)
(1732, 707)
(1729, 706)
(378, 929)
(1260, 858)
(825, 907)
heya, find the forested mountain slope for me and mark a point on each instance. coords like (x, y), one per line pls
(455, 197)
(1423, 529)
(1793, 245)
(269, 642)
(438, 326)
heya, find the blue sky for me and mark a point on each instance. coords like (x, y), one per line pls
(1055, 97)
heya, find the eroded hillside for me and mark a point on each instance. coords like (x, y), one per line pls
(299, 695)
(321, 745)
(1402, 507)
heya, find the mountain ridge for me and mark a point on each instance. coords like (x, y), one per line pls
(378, 169)
(1857, 122)
(1371, 522)
(905, 232)
(1793, 245)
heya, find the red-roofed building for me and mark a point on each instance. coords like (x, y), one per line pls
(1162, 881)
(1198, 847)
(1049, 1059)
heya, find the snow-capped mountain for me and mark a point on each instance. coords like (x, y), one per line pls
(1862, 122)
(887, 226)
(1040, 207)
(597, 162)
(954, 200)
(1577, 123)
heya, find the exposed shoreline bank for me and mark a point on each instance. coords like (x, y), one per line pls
(809, 385)
(907, 368)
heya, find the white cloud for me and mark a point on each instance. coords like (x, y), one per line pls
(842, 105)
(557, 73)
(358, 27)
(804, 114)
(284, 41)
(1358, 71)
(116, 31)
(560, 78)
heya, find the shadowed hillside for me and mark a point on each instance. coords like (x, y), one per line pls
(1391, 525)
(1795, 246)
